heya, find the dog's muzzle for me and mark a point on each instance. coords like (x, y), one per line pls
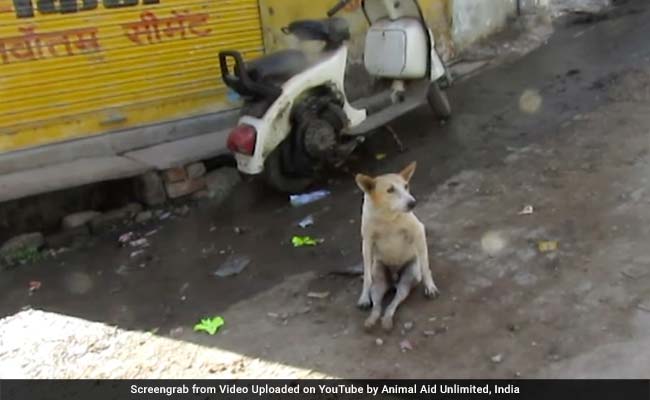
(411, 204)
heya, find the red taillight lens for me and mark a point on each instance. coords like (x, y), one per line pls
(242, 140)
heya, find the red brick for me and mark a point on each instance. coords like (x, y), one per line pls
(184, 188)
(176, 174)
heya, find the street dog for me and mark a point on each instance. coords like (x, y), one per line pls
(394, 244)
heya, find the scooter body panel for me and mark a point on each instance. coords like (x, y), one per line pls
(275, 125)
(378, 10)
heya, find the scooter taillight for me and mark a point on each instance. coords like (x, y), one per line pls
(242, 140)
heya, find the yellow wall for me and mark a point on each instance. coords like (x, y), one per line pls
(77, 73)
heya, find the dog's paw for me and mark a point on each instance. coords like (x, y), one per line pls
(431, 292)
(364, 303)
(387, 324)
(370, 323)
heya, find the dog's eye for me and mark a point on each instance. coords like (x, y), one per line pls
(391, 189)
(406, 187)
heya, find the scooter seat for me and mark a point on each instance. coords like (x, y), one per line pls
(277, 67)
(333, 31)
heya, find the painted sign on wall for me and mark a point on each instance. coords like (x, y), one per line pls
(74, 68)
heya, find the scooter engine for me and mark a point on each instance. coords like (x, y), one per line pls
(318, 124)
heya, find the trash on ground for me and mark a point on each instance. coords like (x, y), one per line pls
(184, 288)
(143, 216)
(380, 156)
(301, 241)
(151, 233)
(176, 332)
(207, 250)
(182, 211)
(441, 329)
(298, 200)
(408, 325)
(644, 306)
(429, 333)
(527, 210)
(122, 270)
(307, 221)
(143, 242)
(497, 358)
(405, 345)
(34, 286)
(126, 238)
(115, 289)
(282, 316)
(546, 246)
(379, 342)
(209, 325)
(56, 252)
(165, 216)
(137, 253)
(353, 270)
(234, 265)
(318, 295)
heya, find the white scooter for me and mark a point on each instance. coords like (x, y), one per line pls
(296, 118)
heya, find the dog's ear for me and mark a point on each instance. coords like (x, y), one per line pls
(407, 173)
(365, 183)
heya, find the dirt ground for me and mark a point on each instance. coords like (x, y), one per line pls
(563, 129)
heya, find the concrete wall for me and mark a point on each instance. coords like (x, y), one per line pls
(475, 19)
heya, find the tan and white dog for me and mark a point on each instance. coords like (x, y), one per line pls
(394, 244)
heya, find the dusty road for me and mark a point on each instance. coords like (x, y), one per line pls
(564, 129)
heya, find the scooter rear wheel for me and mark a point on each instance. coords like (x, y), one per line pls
(438, 101)
(275, 174)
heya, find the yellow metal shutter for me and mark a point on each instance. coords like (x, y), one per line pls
(75, 68)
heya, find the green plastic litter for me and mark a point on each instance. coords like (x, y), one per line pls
(300, 241)
(209, 325)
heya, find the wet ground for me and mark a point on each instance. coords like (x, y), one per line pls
(563, 129)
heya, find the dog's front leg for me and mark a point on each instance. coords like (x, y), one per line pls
(430, 289)
(364, 300)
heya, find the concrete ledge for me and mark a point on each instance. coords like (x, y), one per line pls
(115, 143)
(112, 156)
(181, 152)
(87, 170)
(62, 176)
